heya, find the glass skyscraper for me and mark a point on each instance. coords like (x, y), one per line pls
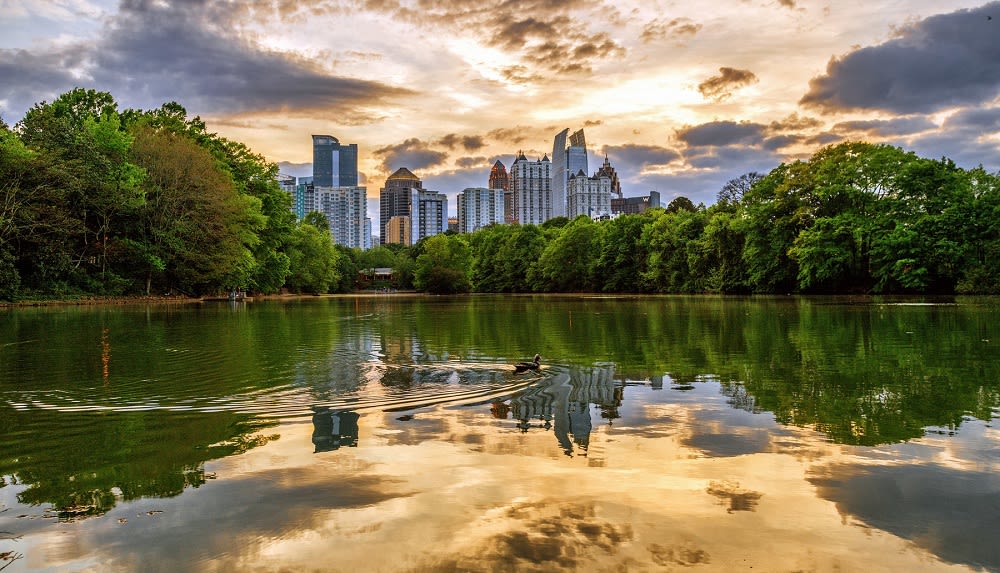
(334, 164)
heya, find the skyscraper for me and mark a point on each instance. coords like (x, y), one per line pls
(590, 196)
(499, 179)
(566, 161)
(334, 164)
(531, 182)
(478, 208)
(607, 170)
(395, 198)
(405, 196)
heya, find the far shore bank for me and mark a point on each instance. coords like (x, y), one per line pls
(174, 299)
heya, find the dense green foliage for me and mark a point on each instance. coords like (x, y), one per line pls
(97, 201)
(854, 218)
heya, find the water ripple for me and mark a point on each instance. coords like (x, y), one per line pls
(395, 388)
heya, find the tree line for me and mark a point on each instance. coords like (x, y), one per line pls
(94, 200)
(853, 218)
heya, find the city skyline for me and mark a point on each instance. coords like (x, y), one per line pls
(679, 99)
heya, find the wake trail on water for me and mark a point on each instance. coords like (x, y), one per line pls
(394, 388)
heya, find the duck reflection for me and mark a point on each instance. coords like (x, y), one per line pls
(334, 429)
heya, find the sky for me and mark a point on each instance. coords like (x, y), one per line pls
(681, 96)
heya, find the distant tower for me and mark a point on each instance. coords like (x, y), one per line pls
(395, 199)
(499, 179)
(566, 161)
(531, 183)
(334, 164)
(607, 170)
(404, 196)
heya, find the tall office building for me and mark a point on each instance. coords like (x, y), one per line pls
(395, 198)
(566, 160)
(405, 196)
(531, 183)
(479, 207)
(345, 209)
(334, 164)
(499, 179)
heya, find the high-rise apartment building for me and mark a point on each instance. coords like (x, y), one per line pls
(479, 207)
(334, 164)
(590, 196)
(405, 196)
(607, 170)
(531, 183)
(345, 208)
(566, 160)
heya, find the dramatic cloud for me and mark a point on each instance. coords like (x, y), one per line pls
(468, 142)
(942, 61)
(719, 133)
(638, 157)
(678, 29)
(794, 122)
(885, 128)
(413, 154)
(472, 162)
(721, 87)
(152, 52)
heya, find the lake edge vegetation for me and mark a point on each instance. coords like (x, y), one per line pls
(95, 201)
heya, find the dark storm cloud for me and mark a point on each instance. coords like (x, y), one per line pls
(780, 141)
(678, 29)
(719, 133)
(412, 154)
(153, 52)
(946, 60)
(472, 162)
(949, 512)
(720, 87)
(981, 119)
(635, 157)
(886, 127)
(468, 142)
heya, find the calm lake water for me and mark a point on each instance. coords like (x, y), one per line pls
(391, 433)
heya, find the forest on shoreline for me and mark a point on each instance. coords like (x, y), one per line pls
(95, 201)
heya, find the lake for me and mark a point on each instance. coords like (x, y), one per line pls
(391, 433)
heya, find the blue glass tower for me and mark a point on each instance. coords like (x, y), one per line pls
(334, 164)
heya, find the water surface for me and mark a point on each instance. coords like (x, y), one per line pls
(391, 433)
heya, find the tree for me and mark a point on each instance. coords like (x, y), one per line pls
(681, 204)
(733, 191)
(195, 232)
(443, 267)
(317, 219)
(567, 262)
(313, 259)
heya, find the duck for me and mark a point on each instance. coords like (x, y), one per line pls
(533, 365)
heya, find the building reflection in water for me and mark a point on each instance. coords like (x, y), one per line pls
(563, 404)
(334, 429)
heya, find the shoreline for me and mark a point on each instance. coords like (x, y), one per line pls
(181, 299)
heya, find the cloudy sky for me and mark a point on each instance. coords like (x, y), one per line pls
(680, 95)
